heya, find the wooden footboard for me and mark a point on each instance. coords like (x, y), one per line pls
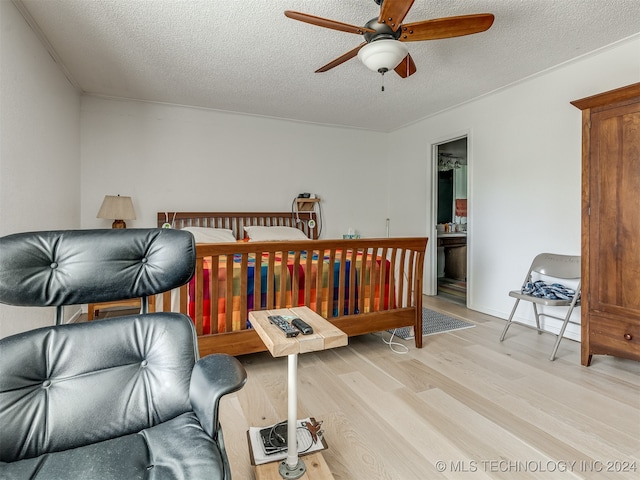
(376, 295)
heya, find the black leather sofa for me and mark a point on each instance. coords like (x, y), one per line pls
(121, 398)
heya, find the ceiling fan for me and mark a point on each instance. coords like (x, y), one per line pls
(384, 48)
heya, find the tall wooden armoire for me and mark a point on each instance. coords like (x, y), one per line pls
(611, 223)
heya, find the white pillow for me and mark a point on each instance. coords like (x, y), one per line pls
(274, 234)
(211, 235)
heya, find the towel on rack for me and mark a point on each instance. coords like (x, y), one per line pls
(461, 207)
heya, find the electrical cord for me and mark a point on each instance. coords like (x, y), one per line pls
(396, 347)
(294, 210)
(275, 440)
(319, 217)
(166, 223)
(393, 346)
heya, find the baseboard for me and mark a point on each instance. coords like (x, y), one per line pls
(573, 331)
(75, 316)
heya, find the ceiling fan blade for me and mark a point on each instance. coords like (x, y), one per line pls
(341, 59)
(326, 23)
(406, 67)
(446, 27)
(392, 12)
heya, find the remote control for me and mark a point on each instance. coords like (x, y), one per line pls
(283, 325)
(301, 325)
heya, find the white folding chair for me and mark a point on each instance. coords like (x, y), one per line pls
(555, 268)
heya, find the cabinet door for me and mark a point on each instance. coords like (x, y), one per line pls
(614, 225)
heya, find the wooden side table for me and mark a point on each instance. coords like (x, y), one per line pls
(325, 335)
(94, 308)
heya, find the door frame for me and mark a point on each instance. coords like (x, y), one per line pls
(432, 217)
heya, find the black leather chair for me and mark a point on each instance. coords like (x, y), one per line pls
(122, 398)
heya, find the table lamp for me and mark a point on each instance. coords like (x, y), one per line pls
(117, 208)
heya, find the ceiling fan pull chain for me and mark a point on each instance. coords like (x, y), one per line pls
(382, 81)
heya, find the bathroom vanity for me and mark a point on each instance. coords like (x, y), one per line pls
(452, 247)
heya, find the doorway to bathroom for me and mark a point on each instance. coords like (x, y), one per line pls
(450, 196)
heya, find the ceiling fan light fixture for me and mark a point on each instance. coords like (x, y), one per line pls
(383, 55)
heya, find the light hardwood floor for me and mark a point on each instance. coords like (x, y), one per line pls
(465, 406)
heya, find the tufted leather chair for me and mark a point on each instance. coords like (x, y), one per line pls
(122, 398)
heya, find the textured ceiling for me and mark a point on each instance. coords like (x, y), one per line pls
(246, 56)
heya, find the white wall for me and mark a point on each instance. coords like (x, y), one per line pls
(178, 158)
(39, 147)
(524, 171)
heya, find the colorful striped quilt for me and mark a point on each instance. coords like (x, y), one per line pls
(239, 323)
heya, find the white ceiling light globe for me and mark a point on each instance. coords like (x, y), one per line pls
(383, 55)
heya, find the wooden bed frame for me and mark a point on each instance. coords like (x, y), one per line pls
(404, 270)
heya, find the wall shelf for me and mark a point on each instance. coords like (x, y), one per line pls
(306, 204)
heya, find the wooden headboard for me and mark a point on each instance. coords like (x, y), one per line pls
(236, 221)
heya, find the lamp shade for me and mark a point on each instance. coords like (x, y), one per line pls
(383, 55)
(115, 207)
